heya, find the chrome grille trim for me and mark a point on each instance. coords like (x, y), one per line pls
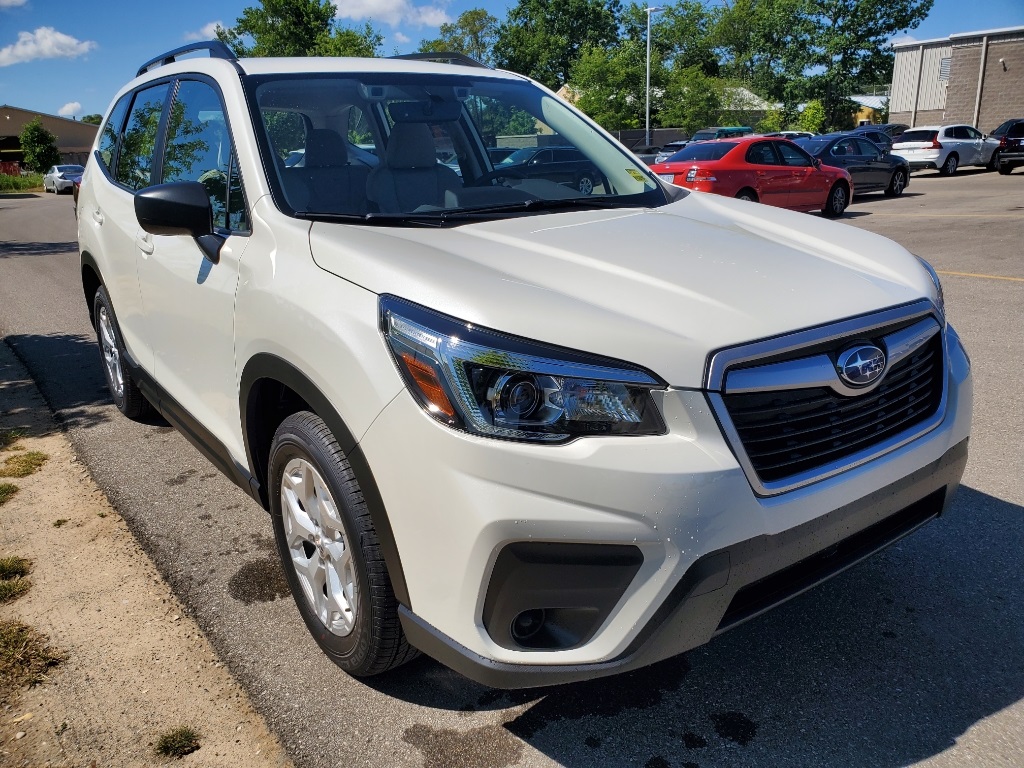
(816, 371)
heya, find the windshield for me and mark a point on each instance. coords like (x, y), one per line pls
(382, 146)
(708, 151)
(70, 169)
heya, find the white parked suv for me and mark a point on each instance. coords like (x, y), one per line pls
(945, 147)
(538, 435)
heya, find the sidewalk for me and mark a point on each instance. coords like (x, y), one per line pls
(136, 666)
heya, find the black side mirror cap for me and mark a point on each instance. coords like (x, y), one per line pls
(179, 208)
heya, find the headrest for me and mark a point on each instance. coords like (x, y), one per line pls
(411, 146)
(325, 149)
(425, 111)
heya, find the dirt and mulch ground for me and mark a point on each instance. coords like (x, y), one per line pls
(117, 664)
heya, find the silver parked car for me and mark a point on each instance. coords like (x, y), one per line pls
(945, 147)
(61, 178)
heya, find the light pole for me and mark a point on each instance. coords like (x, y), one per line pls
(647, 120)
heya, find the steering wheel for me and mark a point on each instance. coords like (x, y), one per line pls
(499, 175)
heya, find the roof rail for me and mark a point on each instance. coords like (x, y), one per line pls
(217, 49)
(443, 57)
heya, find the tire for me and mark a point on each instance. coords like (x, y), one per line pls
(993, 163)
(836, 202)
(585, 184)
(897, 183)
(1005, 170)
(330, 551)
(949, 167)
(123, 390)
(747, 194)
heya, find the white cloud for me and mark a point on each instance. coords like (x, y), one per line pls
(904, 38)
(44, 43)
(70, 109)
(402, 39)
(394, 12)
(12, 3)
(209, 32)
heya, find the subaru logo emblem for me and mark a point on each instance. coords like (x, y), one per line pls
(861, 365)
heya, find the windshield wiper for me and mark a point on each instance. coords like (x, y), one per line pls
(531, 205)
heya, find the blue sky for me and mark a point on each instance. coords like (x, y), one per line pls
(70, 58)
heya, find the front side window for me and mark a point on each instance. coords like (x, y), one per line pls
(135, 157)
(793, 156)
(198, 148)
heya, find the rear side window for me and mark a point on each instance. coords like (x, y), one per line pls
(715, 151)
(112, 131)
(135, 158)
(762, 153)
(1016, 131)
(199, 148)
(960, 132)
(918, 136)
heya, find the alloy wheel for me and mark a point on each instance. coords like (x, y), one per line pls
(111, 355)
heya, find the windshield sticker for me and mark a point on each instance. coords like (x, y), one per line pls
(635, 174)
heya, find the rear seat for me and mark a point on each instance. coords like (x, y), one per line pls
(329, 182)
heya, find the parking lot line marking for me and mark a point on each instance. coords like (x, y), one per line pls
(952, 215)
(986, 277)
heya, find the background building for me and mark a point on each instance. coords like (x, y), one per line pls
(74, 139)
(972, 77)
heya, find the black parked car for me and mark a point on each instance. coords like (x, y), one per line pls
(872, 167)
(1010, 154)
(563, 165)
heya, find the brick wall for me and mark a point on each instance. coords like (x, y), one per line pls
(924, 117)
(1002, 95)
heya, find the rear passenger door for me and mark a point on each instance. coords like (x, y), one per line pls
(189, 300)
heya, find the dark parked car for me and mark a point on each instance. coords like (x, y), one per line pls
(875, 134)
(497, 154)
(564, 165)
(670, 149)
(1010, 153)
(872, 167)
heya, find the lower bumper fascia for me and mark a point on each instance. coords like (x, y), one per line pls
(724, 588)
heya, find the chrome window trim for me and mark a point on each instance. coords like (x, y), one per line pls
(903, 342)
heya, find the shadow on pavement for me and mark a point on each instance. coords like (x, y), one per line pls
(10, 248)
(886, 665)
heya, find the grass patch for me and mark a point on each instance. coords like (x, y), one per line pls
(9, 439)
(25, 657)
(7, 490)
(23, 465)
(178, 742)
(60, 522)
(12, 567)
(20, 183)
(12, 589)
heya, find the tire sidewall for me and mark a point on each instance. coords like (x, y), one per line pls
(102, 300)
(292, 442)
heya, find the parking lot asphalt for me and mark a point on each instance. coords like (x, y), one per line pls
(911, 658)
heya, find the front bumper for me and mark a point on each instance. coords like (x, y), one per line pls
(708, 543)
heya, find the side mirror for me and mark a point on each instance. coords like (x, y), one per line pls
(817, 162)
(179, 208)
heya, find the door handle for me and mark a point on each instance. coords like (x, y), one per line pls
(97, 216)
(145, 243)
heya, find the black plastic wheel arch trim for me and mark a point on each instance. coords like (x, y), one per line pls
(268, 366)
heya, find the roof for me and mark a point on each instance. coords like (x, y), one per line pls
(959, 36)
(33, 112)
(871, 102)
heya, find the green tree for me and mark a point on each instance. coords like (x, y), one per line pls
(611, 84)
(38, 146)
(693, 100)
(681, 34)
(297, 28)
(473, 34)
(92, 119)
(813, 117)
(545, 38)
(774, 120)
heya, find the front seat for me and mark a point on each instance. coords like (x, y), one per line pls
(410, 176)
(328, 181)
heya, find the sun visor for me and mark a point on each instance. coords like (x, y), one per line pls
(425, 111)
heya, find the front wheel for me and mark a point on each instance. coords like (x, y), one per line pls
(585, 184)
(835, 203)
(897, 184)
(330, 551)
(993, 163)
(949, 167)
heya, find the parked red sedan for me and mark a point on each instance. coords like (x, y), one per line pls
(774, 171)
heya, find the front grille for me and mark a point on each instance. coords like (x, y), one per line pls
(785, 433)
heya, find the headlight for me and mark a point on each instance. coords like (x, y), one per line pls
(492, 384)
(939, 298)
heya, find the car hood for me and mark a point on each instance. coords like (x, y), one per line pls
(661, 288)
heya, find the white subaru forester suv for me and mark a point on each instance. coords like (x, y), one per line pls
(539, 435)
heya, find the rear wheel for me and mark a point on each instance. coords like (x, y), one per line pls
(897, 183)
(125, 392)
(993, 164)
(330, 551)
(1005, 170)
(747, 194)
(585, 184)
(949, 167)
(836, 202)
